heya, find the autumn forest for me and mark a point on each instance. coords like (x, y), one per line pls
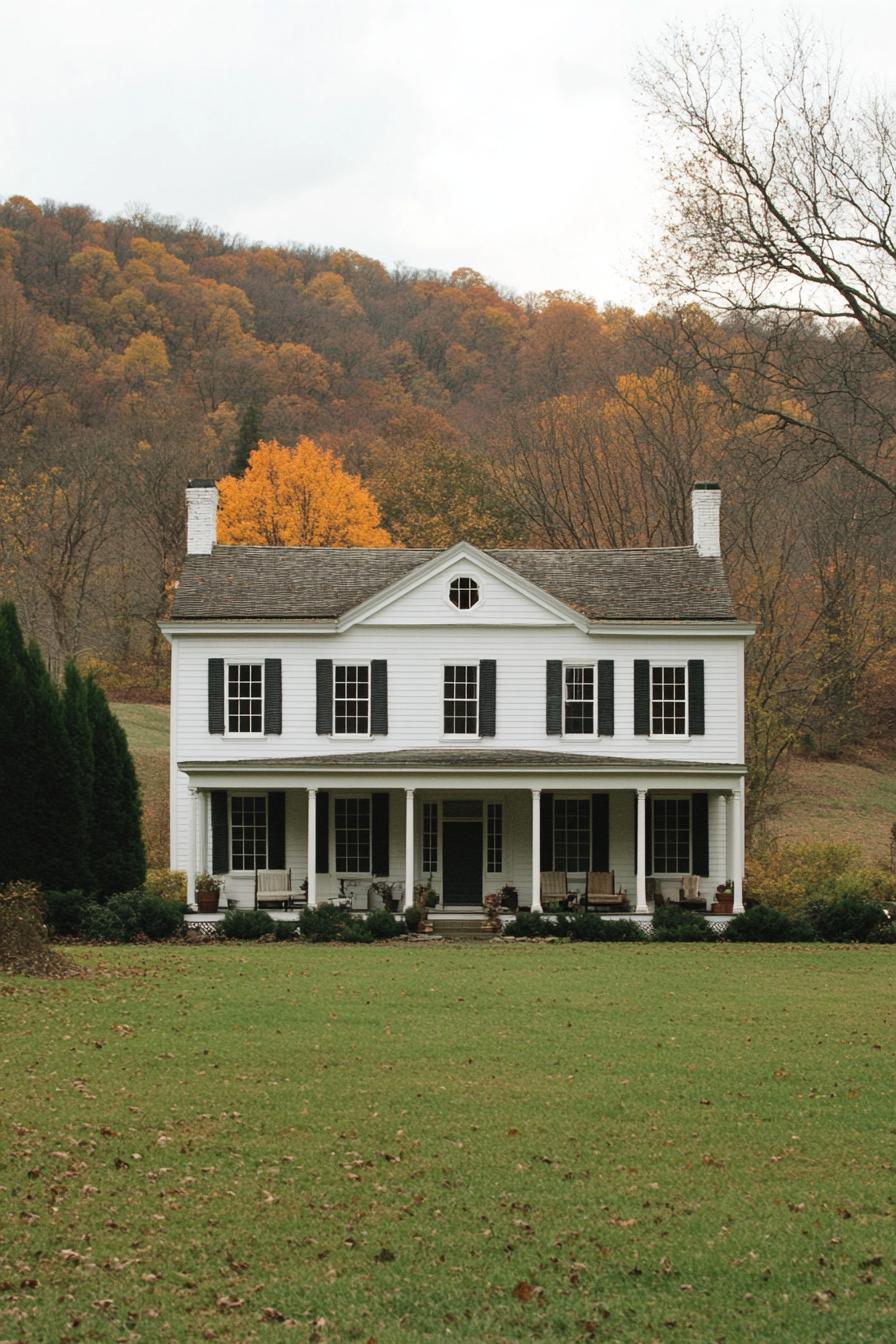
(413, 409)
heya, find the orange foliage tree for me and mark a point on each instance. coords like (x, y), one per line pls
(299, 496)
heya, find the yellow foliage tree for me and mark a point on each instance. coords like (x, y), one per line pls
(299, 496)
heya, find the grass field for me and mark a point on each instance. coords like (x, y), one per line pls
(491, 1144)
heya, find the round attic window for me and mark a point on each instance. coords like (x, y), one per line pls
(463, 592)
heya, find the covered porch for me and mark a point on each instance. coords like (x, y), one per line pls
(465, 822)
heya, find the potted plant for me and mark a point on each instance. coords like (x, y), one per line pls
(381, 895)
(208, 894)
(492, 902)
(724, 899)
(510, 897)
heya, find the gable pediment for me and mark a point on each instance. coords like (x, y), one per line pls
(424, 597)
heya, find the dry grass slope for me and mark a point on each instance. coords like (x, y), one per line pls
(849, 800)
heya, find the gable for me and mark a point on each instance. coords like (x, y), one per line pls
(501, 599)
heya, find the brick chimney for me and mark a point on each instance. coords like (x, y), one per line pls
(706, 503)
(202, 517)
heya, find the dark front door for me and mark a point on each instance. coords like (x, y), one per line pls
(462, 843)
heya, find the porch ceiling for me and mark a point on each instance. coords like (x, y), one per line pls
(454, 759)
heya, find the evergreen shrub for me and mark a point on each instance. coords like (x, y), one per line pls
(248, 924)
(530, 924)
(850, 917)
(285, 930)
(65, 911)
(413, 918)
(331, 923)
(382, 924)
(672, 925)
(764, 924)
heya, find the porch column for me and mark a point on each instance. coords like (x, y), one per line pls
(736, 845)
(722, 830)
(312, 848)
(408, 848)
(536, 850)
(193, 846)
(641, 851)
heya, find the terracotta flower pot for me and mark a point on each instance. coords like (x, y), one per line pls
(207, 902)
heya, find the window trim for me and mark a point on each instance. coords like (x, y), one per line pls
(343, 796)
(567, 797)
(669, 797)
(246, 793)
(356, 737)
(241, 662)
(579, 737)
(459, 737)
(671, 737)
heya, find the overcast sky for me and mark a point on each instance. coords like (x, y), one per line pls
(498, 134)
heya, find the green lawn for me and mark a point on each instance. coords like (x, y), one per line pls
(483, 1143)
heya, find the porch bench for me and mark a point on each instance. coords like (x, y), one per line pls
(273, 887)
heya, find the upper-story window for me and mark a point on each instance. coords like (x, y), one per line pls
(578, 700)
(245, 697)
(463, 592)
(351, 699)
(668, 700)
(462, 700)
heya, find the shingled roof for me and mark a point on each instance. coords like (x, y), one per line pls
(307, 583)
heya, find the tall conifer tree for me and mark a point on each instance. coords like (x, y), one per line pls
(247, 440)
(116, 854)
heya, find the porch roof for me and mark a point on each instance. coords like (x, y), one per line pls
(453, 759)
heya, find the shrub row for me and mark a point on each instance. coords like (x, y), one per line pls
(843, 918)
(128, 915)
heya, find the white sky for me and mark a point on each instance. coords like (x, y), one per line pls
(500, 134)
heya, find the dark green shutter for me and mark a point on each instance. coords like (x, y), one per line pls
(700, 834)
(379, 834)
(547, 833)
(324, 696)
(642, 697)
(277, 830)
(605, 699)
(322, 831)
(648, 832)
(600, 832)
(554, 700)
(696, 713)
(216, 696)
(273, 703)
(487, 697)
(379, 699)
(220, 833)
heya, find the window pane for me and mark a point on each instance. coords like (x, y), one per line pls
(668, 700)
(495, 861)
(248, 833)
(461, 699)
(672, 835)
(572, 834)
(351, 699)
(245, 708)
(430, 837)
(351, 818)
(579, 700)
(463, 592)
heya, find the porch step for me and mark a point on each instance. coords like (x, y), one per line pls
(468, 930)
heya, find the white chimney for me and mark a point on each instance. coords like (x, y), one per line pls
(202, 517)
(706, 504)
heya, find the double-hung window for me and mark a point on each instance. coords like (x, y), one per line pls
(248, 832)
(671, 835)
(572, 834)
(579, 715)
(245, 697)
(461, 705)
(351, 826)
(668, 700)
(351, 699)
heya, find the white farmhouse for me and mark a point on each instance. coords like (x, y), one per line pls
(474, 717)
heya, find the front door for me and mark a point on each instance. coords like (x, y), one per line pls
(462, 845)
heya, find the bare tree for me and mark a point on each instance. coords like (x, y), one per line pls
(781, 194)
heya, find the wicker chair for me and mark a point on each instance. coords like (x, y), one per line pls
(554, 889)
